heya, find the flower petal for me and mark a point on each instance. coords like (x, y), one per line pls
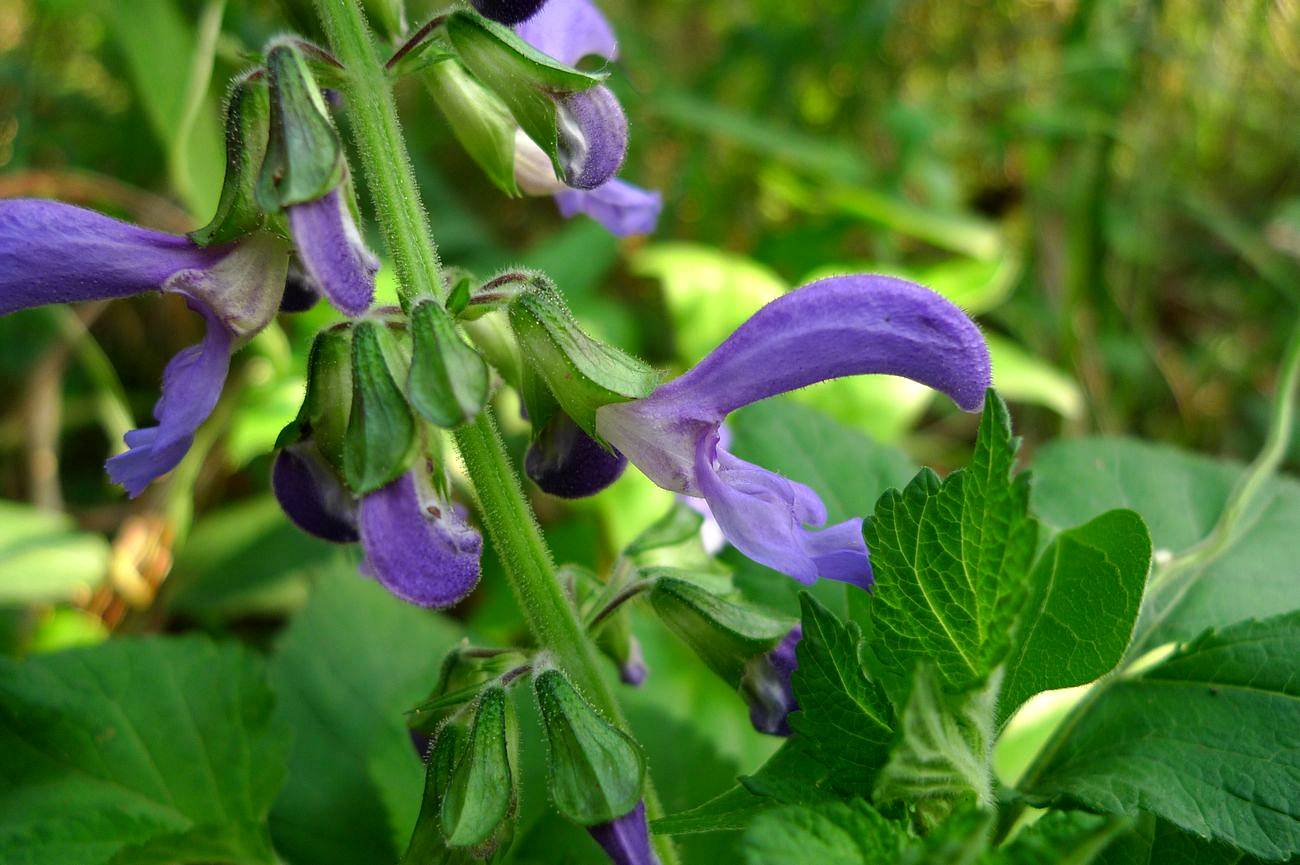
(768, 688)
(592, 132)
(333, 253)
(765, 516)
(626, 840)
(423, 553)
(841, 326)
(52, 252)
(566, 462)
(191, 386)
(570, 30)
(625, 210)
(312, 497)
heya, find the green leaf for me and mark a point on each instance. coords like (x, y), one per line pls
(380, 439)
(138, 751)
(1158, 842)
(845, 712)
(1207, 739)
(831, 833)
(349, 666)
(942, 758)
(1086, 590)
(44, 558)
(1180, 495)
(952, 561)
(1060, 838)
(448, 382)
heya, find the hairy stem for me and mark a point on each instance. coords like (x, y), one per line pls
(505, 510)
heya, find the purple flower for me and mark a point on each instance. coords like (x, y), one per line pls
(419, 546)
(564, 461)
(569, 30)
(626, 840)
(332, 252)
(56, 253)
(767, 686)
(633, 670)
(848, 325)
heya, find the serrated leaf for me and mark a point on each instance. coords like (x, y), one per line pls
(1209, 739)
(1086, 590)
(1158, 842)
(138, 751)
(1180, 495)
(952, 561)
(942, 757)
(842, 710)
(830, 833)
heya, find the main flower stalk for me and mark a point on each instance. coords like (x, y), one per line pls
(505, 511)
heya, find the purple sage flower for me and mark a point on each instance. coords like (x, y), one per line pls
(569, 30)
(767, 687)
(626, 840)
(332, 252)
(419, 546)
(847, 325)
(633, 671)
(564, 461)
(52, 252)
(508, 11)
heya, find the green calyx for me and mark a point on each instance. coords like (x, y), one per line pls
(248, 128)
(380, 440)
(304, 158)
(525, 80)
(480, 790)
(725, 635)
(581, 373)
(448, 382)
(481, 122)
(596, 771)
(328, 403)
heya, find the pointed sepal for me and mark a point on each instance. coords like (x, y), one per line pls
(480, 791)
(448, 383)
(380, 440)
(304, 159)
(248, 128)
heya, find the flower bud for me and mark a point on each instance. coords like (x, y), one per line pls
(313, 496)
(582, 373)
(448, 382)
(596, 771)
(428, 844)
(323, 418)
(726, 636)
(380, 440)
(508, 11)
(566, 462)
(304, 158)
(480, 790)
(767, 687)
(626, 840)
(479, 119)
(248, 126)
(459, 681)
(591, 137)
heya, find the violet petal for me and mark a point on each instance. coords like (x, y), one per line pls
(421, 549)
(769, 689)
(312, 497)
(333, 253)
(51, 252)
(592, 131)
(191, 386)
(508, 11)
(625, 210)
(626, 840)
(570, 30)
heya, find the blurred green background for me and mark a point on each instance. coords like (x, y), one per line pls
(1111, 186)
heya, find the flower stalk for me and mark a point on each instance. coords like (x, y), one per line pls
(405, 228)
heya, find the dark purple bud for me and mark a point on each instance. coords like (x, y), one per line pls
(508, 11)
(420, 741)
(301, 292)
(566, 462)
(312, 496)
(767, 687)
(592, 130)
(626, 840)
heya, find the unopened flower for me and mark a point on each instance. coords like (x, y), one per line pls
(767, 686)
(626, 840)
(570, 30)
(849, 325)
(57, 253)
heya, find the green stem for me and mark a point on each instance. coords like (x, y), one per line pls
(387, 165)
(505, 510)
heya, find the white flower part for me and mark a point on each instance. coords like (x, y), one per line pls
(533, 170)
